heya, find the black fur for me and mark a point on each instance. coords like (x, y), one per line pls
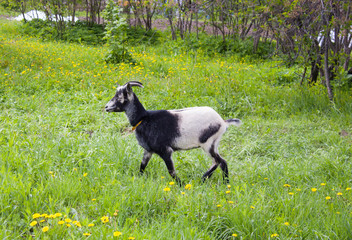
(218, 161)
(210, 131)
(158, 131)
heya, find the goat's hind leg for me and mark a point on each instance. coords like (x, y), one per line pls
(217, 160)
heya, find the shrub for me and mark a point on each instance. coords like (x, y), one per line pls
(116, 35)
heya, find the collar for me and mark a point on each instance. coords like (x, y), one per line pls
(134, 127)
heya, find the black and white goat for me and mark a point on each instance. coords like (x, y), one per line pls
(165, 131)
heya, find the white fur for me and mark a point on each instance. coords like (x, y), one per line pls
(192, 122)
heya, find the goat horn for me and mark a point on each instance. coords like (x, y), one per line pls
(135, 83)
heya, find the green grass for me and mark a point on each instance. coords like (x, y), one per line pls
(59, 153)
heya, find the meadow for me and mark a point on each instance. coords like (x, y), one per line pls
(70, 171)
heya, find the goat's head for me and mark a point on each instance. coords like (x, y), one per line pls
(123, 96)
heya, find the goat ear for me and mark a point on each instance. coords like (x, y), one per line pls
(128, 88)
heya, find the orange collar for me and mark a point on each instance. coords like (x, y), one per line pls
(134, 127)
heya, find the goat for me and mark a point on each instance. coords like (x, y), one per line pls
(165, 131)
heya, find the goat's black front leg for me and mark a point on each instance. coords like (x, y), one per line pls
(167, 157)
(146, 157)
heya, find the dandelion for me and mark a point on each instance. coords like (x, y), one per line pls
(104, 219)
(230, 202)
(85, 174)
(183, 193)
(219, 206)
(287, 185)
(291, 193)
(86, 234)
(274, 235)
(131, 238)
(328, 198)
(171, 183)
(227, 192)
(228, 186)
(68, 225)
(36, 215)
(339, 194)
(68, 220)
(234, 235)
(188, 186)
(167, 189)
(117, 234)
(32, 224)
(314, 189)
(348, 189)
(57, 215)
(322, 184)
(91, 225)
(252, 207)
(45, 229)
(61, 222)
(93, 199)
(286, 223)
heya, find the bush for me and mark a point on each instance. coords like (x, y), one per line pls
(80, 32)
(211, 45)
(136, 36)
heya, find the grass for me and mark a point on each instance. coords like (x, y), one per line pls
(64, 159)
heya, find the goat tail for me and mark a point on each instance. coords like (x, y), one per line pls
(233, 121)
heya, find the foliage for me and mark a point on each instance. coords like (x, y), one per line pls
(80, 32)
(63, 159)
(116, 35)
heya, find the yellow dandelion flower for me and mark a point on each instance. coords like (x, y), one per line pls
(339, 194)
(314, 189)
(68, 220)
(291, 193)
(91, 225)
(286, 223)
(252, 207)
(167, 189)
(287, 185)
(85, 174)
(234, 235)
(328, 198)
(274, 235)
(228, 186)
(183, 193)
(171, 183)
(117, 234)
(104, 219)
(45, 229)
(348, 189)
(86, 234)
(61, 222)
(68, 225)
(188, 186)
(93, 199)
(322, 184)
(58, 214)
(231, 202)
(33, 223)
(131, 238)
(36, 215)
(219, 206)
(227, 192)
